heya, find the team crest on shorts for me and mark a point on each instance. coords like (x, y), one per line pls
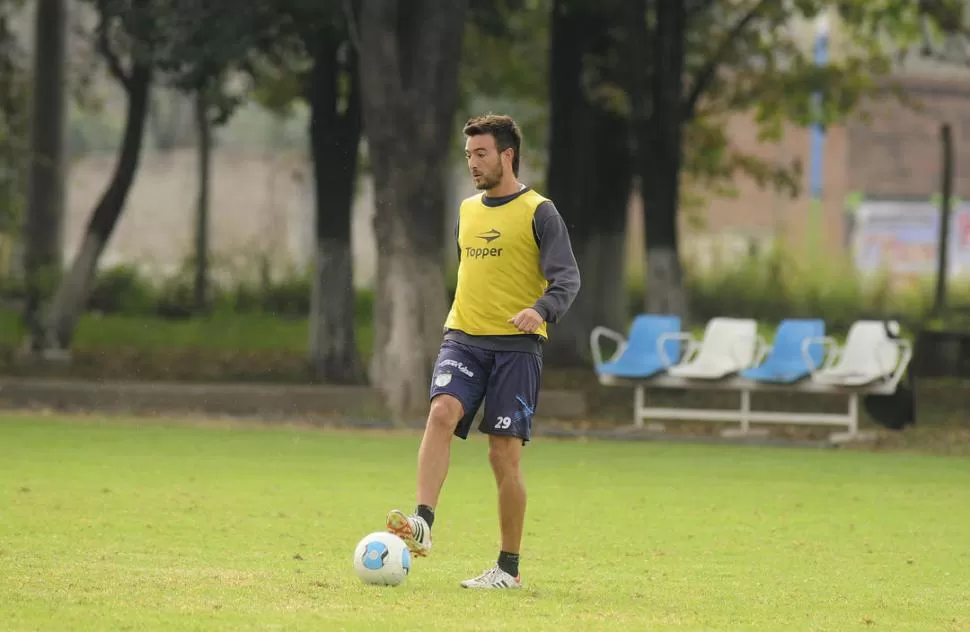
(442, 379)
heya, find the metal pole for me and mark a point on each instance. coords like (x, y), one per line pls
(638, 407)
(817, 148)
(854, 414)
(942, 262)
(745, 411)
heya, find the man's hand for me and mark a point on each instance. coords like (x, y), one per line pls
(527, 321)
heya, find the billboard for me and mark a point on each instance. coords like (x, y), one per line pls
(901, 237)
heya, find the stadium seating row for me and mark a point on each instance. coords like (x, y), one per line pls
(731, 355)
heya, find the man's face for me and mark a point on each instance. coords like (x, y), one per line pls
(484, 161)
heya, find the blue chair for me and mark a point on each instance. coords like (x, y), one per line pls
(786, 363)
(638, 356)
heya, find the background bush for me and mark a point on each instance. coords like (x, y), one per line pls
(768, 287)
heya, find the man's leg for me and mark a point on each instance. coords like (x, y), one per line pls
(434, 454)
(457, 389)
(504, 454)
(513, 391)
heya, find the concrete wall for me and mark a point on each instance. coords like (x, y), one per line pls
(262, 204)
(262, 200)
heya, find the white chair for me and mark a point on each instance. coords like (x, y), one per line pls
(729, 345)
(869, 355)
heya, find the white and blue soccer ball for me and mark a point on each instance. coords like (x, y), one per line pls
(382, 559)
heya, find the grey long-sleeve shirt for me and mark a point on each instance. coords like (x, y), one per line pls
(558, 265)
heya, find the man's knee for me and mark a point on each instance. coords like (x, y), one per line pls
(446, 412)
(504, 454)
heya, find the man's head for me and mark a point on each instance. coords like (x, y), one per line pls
(492, 148)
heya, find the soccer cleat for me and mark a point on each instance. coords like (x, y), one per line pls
(494, 577)
(412, 529)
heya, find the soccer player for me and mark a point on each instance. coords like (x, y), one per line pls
(516, 273)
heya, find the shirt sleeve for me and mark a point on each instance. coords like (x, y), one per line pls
(557, 261)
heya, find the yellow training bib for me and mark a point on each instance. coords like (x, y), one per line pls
(499, 272)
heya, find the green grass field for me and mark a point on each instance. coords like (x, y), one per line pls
(125, 525)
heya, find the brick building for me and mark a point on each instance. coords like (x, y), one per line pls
(890, 149)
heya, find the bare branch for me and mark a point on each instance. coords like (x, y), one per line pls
(708, 71)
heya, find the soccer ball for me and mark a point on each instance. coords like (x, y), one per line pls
(382, 559)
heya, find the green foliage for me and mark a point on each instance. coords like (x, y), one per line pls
(769, 287)
(752, 56)
(195, 47)
(210, 41)
(760, 59)
(281, 69)
(776, 285)
(943, 31)
(132, 30)
(121, 290)
(213, 41)
(279, 87)
(505, 67)
(114, 334)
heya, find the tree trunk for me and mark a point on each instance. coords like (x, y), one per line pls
(589, 181)
(411, 306)
(598, 234)
(611, 184)
(665, 292)
(660, 141)
(45, 198)
(569, 140)
(665, 277)
(204, 130)
(409, 60)
(335, 130)
(72, 293)
(410, 297)
(610, 299)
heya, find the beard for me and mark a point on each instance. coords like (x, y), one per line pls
(491, 179)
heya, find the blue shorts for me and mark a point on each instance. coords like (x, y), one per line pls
(507, 381)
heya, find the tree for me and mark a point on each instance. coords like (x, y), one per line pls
(409, 57)
(211, 43)
(192, 46)
(45, 193)
(539, 61)
(664, 115)
(334, 93)
(316, 61)
(127, 37)
(702, 60)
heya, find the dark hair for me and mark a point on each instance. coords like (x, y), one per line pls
(503, 129)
